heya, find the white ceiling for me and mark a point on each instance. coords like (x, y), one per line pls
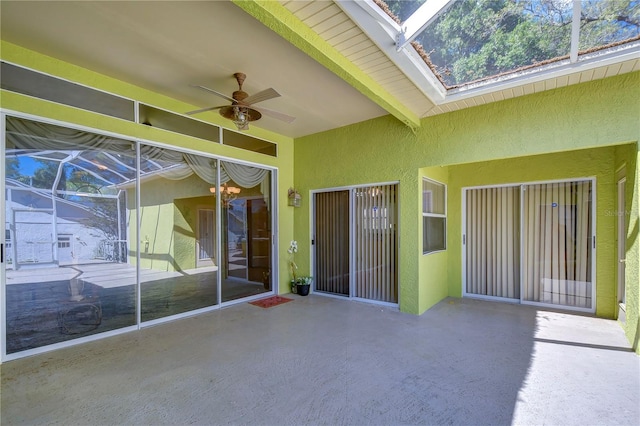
(167, 46)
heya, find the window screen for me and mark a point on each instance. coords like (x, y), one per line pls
(434, 216)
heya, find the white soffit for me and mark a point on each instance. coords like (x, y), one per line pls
(382, 30)
(340, 30)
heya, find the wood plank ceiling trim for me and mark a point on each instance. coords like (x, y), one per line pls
(333, 25)
(280, 20)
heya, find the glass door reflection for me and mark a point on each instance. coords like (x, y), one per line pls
(69, 273)
(178, 267)
(246, 231)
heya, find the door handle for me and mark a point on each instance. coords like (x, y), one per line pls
(622, 260)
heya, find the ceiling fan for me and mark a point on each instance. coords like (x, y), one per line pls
(242, 109)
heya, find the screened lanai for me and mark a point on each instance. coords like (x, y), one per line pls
(115, 219)
(104, 233)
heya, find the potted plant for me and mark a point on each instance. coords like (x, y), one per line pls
(303, 284)
(300, 284)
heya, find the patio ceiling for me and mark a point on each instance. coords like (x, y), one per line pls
(335, 63)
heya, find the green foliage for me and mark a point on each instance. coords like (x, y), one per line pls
(605, 22)
(45, 175)
(12, 170)
(403, 8)
(302, 280)
(105, 216)
(475, 39)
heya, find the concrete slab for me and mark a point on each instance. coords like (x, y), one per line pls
(319, 360)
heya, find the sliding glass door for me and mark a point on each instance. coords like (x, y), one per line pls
(375, 243)
(245, 198)
(531, 243)
(103, 234)
(355, 237)
(68, 247)
(332, 231)
(557, 244)
(492, 239)
(178, 268)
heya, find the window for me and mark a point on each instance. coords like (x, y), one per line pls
(434, 216)
(64, 242)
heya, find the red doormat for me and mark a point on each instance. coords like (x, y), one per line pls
(271, 301)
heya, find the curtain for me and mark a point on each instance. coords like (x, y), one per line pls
(247, 177)
(184, 165)
(557, 249)
(204, 167)
(170, 164)
(492, 242)
(375, 245)
(332, 242)
(30, 135)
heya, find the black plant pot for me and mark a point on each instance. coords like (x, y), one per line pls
(302, 290)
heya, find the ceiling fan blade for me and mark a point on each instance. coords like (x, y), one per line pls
(204, 109)
(275, 114)
(261, 96)
(222, 95)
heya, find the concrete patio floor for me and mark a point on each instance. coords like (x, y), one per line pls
(320, 360)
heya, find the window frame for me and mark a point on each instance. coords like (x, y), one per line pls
(430, 214)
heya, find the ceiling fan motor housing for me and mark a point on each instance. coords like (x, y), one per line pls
(240, 95)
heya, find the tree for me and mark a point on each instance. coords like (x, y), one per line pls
(402, 9)
(606, 22)
(12, 169)
(45, 175)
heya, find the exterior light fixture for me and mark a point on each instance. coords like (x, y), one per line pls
(295, 199)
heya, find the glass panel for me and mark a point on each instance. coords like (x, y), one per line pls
(403, 9)
(241, 140)
(68, 273)
(475, 40)
(246, 230)
(22, 80)
(604, 22)
(492, 242)
(557, 244)
(433, 197)
(162, 119)
(375, 243)
(433, 234)
(178, 267)
(332, 232)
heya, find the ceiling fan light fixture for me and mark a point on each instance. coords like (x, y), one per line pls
(241, 115)
(241, 111)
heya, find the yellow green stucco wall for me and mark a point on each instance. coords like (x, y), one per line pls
(283, 163)
(185, 226)
(168, 222)
(629, 157)
(433, 267)
(598, 163)
(602, 113)
(559, 125)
